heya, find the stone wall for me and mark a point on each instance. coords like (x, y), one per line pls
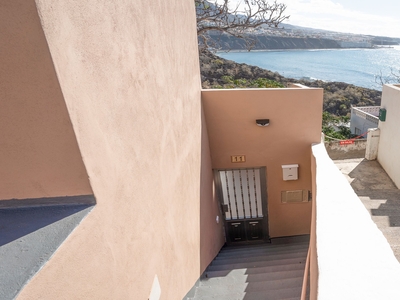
(355, 150)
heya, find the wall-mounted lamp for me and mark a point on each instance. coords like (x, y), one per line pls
(262, 122)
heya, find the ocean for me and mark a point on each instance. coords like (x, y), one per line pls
(355, 66)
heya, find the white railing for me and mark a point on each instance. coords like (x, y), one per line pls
(372, 110)
(354, 259)
(369, 113)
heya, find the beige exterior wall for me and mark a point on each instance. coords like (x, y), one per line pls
(129, 75)
(211, 233)
(39, 155)
(295, 123)
(389, 141)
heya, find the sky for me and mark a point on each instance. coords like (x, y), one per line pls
(371, 17)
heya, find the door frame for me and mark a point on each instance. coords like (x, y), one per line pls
(264, 204)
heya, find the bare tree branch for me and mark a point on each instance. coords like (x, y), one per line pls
(393, 77)
(236, 20)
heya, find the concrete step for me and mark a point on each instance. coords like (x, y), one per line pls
(291, 239)
(234, 246)
(215, 290)
(268, 271)
(259, 257)
(258, 270)
(277, 294)
(258, 264)
(263, 245)
(387, 211)
(236, 276)
(265, 250)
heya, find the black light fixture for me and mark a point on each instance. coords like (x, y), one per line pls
(262, 122)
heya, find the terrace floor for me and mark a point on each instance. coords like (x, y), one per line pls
(379, 195)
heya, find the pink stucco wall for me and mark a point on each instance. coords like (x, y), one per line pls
(295, 123)
(211, 233)
(39, 155)
(129, 75)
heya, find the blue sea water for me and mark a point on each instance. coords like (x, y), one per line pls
(354, 66)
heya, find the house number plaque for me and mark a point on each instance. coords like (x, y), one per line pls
(238, 158)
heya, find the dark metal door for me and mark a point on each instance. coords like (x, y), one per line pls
(243, 198)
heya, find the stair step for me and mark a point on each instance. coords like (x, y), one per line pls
(250, 287)
(261, 251)
(271, 271)
(277, 294)
(259, 270)
(291, 239)
(258, 264)
(259, 257)
(238, 277)
(243, 248)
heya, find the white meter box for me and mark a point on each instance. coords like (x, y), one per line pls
(290, 172)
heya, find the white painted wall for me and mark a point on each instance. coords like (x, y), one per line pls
(363, 120)
(389, 144)
(355, 260)
(371, 151)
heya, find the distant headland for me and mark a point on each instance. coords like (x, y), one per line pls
(295, 37)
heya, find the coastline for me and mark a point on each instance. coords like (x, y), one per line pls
(357, 66)
(338, 96)
(307, 49)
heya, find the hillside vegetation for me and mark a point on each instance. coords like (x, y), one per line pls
(217, 72)
(227, 42)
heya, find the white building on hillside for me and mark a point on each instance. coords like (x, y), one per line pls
(363, 118)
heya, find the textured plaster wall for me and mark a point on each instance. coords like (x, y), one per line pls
(355, 150)
(39, 155)
(211, 234)
(295, 123)
(389, 141)
(129, 73)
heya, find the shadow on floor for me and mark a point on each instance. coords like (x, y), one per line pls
(379, 195)
(369, 175)
(16, 223)
(377, 191)
(29, 236)
(382, 203)
(256, 271)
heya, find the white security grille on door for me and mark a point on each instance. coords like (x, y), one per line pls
(241, 191)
